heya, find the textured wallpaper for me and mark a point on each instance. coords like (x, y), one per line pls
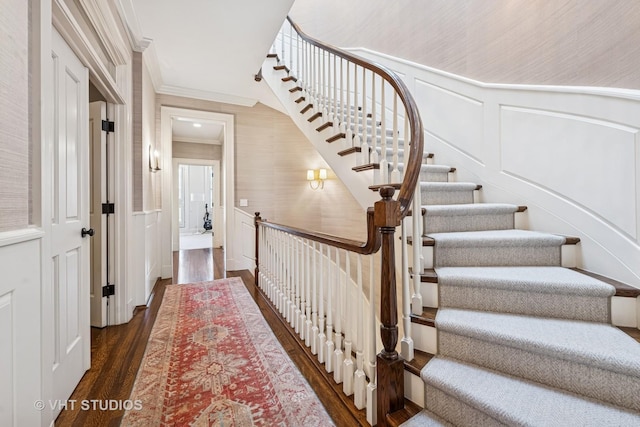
(14, 111)
(555, 42)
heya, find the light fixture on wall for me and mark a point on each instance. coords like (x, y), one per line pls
(154, 160)
(316, 178)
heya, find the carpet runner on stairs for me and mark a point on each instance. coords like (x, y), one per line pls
(521, 339)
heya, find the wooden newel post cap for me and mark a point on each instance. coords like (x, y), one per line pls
(387, 210)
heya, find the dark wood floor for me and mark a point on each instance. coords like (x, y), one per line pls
(116, 351)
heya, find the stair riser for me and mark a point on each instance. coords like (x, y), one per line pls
(496, 256)
(455, 411)
(414, 388)
(625, 311)
(446, 197)
(424, 338)
(445, 224)
(590, 309)
(608, 386)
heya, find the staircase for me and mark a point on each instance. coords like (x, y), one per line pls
(521, 340)
(510, 333)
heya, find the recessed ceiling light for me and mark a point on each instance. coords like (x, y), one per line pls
(197, 125)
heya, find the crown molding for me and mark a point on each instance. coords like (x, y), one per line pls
(107, 30)
(207, 96)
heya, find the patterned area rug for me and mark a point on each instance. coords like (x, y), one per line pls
(212, 360)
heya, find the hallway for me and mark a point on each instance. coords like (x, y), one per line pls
(117, 351)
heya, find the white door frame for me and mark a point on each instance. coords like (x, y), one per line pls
(228, 187)
(216, 210)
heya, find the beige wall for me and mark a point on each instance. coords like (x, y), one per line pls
(152, 181)
(14, 112)
(557, 42)
(190, 150)
(272, 157)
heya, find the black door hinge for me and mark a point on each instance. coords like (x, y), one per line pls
(108, 208)
(108, 290)
(108, 126)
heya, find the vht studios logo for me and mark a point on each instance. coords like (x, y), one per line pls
(89, 405)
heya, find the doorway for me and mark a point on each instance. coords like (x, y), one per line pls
(223, 207)
(196, 202)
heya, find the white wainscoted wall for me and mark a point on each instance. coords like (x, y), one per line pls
(146, 265)
(245, 232)
(571, 154)
(20, 318)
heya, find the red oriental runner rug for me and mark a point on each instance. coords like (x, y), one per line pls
(212, 360)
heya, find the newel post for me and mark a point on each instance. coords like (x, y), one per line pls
(256, 220)
(390, 367)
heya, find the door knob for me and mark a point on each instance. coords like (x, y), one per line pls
(90, 232)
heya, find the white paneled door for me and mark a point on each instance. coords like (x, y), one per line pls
(98, 195)
(69, 216)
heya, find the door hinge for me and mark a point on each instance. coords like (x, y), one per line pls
(108, 290)
(108, 126)
(108, 208)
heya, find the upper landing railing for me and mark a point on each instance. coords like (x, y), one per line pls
(308, 275)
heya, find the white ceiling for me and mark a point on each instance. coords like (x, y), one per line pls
(207, 49)
(183, 129)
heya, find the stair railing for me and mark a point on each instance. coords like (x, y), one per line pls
(309, 276)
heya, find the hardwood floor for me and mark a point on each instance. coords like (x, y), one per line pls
(117, 351)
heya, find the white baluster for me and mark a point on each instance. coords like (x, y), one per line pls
(384, 163)
(325, 85)
(360, 379)
(338, 356)
(288, 279)
(395, 173)
(371, 364)
(334, 116)
(416, 299)
(342, 127)
(322, 337)
(365, 150)
(290, 49)
(406, 344)
(374, 129)
(348, 139)
(303, 289)
(348, 368)
(308, 324)
(292, 282)
(329, 345)
(297, 269)
(314, 296)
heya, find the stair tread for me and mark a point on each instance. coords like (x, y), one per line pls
(449, 186)
(431, 168)
(544, 279)
(497, 238)
(470, 209)
(622, 289)
(514, 401)
(590, 343)
(427, 317)
(420, 359)
(404, 414)
(426, 418)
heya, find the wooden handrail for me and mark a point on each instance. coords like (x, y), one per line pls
(412, 172)
(372, 245)
(382, 221)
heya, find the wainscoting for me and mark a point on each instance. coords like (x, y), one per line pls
(568, 153)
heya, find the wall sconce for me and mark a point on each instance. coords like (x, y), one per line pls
(154, 157)
(316, 178)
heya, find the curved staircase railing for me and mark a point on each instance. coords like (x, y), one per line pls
(302, 271)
